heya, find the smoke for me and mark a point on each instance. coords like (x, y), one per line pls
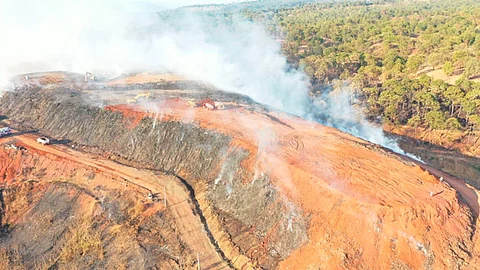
(114, 37)
(68, 35)
(339, 107)
(234, 55)
(336, 108)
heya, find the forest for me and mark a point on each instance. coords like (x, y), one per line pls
(388, 51)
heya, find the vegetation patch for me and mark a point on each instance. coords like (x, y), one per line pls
(82, 242)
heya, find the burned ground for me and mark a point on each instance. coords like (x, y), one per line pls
(266, 189)
(49, 225)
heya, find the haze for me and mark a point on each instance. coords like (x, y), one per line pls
(115, 37)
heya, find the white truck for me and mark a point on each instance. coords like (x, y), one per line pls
(5, 131)
(43, 141)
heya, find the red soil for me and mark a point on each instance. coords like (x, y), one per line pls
(146, 78)
(367, 208)
(60, 163)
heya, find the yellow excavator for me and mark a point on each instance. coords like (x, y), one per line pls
(135, 99)
(89, 76)
(192, 103)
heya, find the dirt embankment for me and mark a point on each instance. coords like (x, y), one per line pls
(56, 212)
(275, 190)
(456, 153)
(463, 142)
(185, 149)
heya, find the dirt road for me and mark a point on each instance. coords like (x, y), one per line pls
(468, 193)
(179, 204)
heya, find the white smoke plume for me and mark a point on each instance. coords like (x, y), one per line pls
(337, 108)
(107, 37)
(127, 35)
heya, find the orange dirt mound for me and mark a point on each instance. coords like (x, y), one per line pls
(368, 208)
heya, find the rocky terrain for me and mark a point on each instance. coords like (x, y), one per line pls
(257, 188)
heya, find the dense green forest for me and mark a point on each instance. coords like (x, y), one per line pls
(385, 48)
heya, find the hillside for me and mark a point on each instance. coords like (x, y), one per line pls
(246, 187)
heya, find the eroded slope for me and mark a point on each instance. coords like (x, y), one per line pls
(275, 190)
(56, 212)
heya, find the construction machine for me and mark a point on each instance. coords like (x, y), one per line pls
(139, 96)
(89, 76)
(192, 103)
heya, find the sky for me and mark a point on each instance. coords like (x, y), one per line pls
(191, 2)
(177, 3)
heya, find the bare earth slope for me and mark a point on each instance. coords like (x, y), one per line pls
(68, 211)
(59, 164)
(273, 190)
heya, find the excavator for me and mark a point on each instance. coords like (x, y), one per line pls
(135, 99)
(89, 76)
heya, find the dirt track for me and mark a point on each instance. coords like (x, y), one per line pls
(468, 193)
(179, 203)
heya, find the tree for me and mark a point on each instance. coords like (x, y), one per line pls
(391, 100)
(472, 68)
(435, 119)
(448, 68)
(391, 58)
(435, 59)
(414, 62)
(438, 87)
(376, 47)
(464, 83)
(414, 121)
(426, 101)
(454, 95)
(468, 106)
(460, 58)
(474, 121)
(452, 123)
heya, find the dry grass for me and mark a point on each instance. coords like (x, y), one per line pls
(78, 181)
(116, 229)
(16, 203)
(135, 211)
(4, 260)
(45, 263)
(440, 75)
(10, 260)
(125, 240)
(145, 78)
(122, 243)
(80, 241)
